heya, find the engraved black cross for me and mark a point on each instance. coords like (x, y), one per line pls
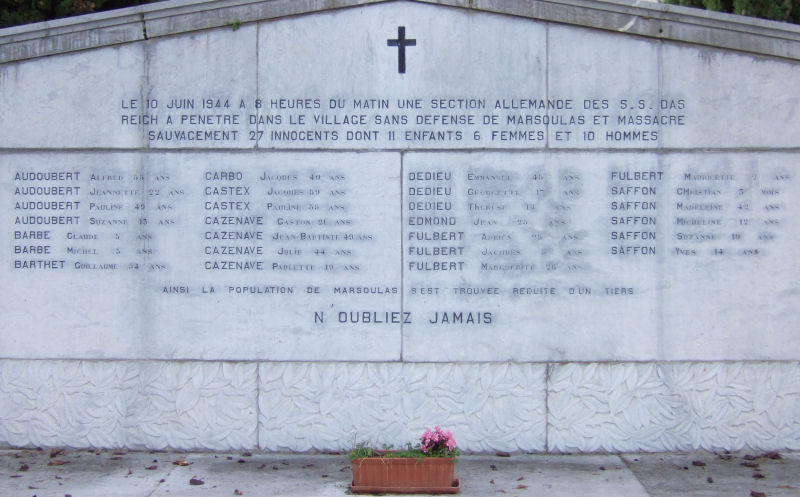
(401, 43)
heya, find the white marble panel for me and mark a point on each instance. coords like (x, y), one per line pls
(333, 406)
(203, 82)
(608, 77)
(736, 100)
(55, 299)
(730, 291)
(70, 101)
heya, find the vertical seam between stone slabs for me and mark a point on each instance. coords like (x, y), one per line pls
(661, 259)
(144, 25)
(258, 406)
(256, 147)
(142, 160)
(402, 252)
(144, 91)
(547, 150)
(258, 70)
(547, 78)
(547, 408)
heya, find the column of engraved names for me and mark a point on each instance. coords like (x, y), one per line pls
(117, 234)
(633, 209)
(435, 242)
(491, 195)
(729, 213)
(312, 225)
(278, 229)
(45, 206)
(440, 260)
(528, 230)
(482, 231)
(87, 219)
(634, 212)
(234, 226)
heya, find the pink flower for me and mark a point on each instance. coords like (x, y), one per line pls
(437, 442)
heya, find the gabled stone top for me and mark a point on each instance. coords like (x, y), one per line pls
(648, 19)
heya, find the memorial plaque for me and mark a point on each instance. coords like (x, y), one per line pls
(400, 182)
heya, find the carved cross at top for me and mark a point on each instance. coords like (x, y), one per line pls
(401, 43)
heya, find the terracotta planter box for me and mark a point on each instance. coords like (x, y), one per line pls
(429, 475)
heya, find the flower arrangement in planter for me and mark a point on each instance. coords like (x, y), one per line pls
(426, 468)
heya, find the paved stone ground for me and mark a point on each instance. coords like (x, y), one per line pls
(704, 474)
(103, 473)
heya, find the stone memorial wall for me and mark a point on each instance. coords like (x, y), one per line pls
(256, 226)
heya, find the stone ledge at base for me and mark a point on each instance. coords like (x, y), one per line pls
(294, 406)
